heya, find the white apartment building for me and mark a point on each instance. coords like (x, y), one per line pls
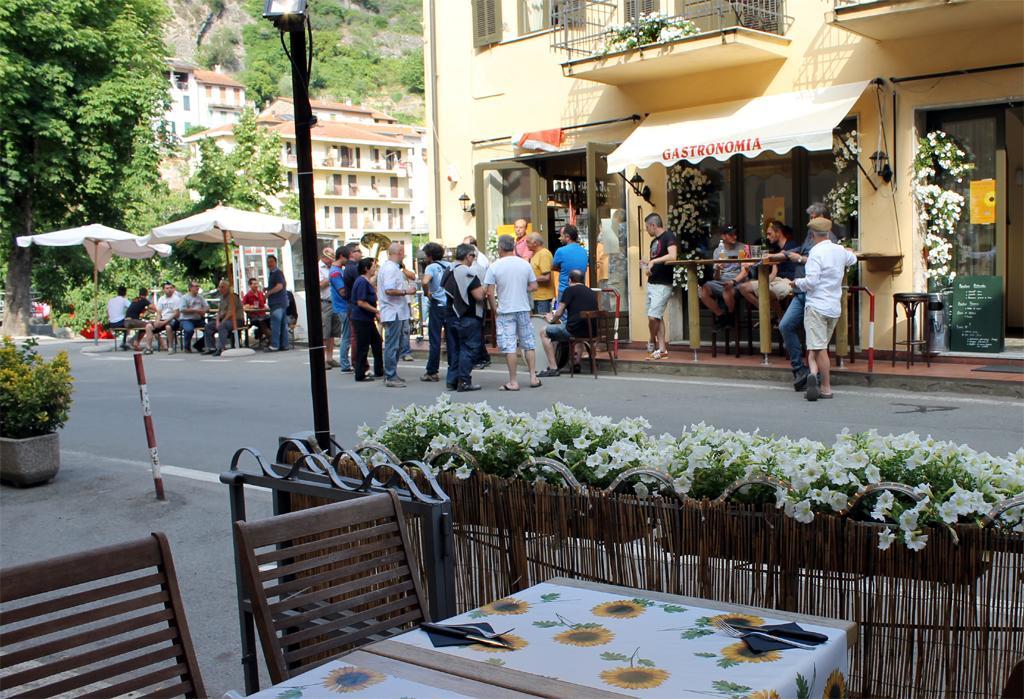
(201, 98)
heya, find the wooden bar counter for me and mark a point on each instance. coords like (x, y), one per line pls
(875, 262)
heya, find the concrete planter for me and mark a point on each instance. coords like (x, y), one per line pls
(29, 461)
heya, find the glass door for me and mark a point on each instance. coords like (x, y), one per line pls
(608, 233)
(506, 191)
(980, 131)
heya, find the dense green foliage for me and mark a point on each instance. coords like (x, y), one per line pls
(348, 62)
(221, 49)
(78, 80)
(35, 395)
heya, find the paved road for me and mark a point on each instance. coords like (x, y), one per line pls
(206, 408)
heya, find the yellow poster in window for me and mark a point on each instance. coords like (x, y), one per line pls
(774, 209)
(983, 202)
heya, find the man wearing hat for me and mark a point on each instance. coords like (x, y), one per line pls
(822, 285)
(793, 318)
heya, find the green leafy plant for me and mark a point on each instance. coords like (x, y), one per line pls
(35, 395)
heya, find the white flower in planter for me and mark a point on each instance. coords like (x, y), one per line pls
(908, 520)
(883, 506)
(915, 541)
(801, 511)
(885, 539)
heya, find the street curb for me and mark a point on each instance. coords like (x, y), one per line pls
(782, 375)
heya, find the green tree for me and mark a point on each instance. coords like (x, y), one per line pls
(77, 77)
(247, 177)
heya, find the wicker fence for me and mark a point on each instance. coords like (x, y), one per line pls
(942, 622)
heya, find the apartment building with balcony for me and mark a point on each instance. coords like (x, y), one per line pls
(198, 97)
(752, 93)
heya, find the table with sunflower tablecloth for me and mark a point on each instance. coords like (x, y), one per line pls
(574, 638)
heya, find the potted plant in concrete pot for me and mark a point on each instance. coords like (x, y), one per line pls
(35, 397)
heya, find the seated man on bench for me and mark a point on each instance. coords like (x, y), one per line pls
(577, 298)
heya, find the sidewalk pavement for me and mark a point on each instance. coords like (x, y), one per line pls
(97, 501)
(950, 374)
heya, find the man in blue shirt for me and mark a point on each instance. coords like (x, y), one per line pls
(277, 300)
(568, 257)
(336, 276)
(437, 312)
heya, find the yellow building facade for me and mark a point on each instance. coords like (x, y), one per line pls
(555, 70)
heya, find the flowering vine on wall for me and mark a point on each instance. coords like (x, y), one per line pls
(689, 215)
(841, 200)
(939, 209)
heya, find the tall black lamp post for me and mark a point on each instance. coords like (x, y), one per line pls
(289, 16)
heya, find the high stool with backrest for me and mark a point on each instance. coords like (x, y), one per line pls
(911, 302)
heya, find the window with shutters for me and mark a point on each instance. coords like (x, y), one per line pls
(637, 8)
(486, 22)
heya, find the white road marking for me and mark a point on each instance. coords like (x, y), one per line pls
(262, 361)
(179, 471)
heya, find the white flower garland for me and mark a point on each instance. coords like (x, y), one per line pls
(689, 216)
(938, 209)
(954, 483)
(842, 198)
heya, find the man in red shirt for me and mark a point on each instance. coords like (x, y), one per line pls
(255, 304)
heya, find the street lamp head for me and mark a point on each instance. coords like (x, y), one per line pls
(466, 206)
(286, 15)
(636, 180)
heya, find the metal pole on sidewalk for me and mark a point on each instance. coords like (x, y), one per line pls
(147, 420)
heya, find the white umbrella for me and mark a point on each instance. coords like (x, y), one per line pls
(226, 225)
(101, 244)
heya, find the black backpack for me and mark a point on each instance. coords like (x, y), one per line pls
(456, 304)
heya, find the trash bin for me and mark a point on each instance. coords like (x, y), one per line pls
(938, 324)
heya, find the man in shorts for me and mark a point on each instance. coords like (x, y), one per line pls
(780, 240)
(329, 320)
(664, 248)
(721, 290)
(822, 285)
(509, 281)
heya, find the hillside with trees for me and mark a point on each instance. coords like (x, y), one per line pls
(366, 51)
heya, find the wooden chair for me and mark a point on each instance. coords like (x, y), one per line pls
(599, 332)
(103, 623)
(1014, 688)
(325, 580)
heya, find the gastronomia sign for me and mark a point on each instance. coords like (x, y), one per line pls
(704, 150)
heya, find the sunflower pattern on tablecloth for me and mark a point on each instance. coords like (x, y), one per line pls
(644, 647)
(340, 678)
(639, 674)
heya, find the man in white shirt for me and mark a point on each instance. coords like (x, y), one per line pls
(392, 290)
(509, 282)
(823, 285)
(330, 322)
(169, 307)
(116, 308)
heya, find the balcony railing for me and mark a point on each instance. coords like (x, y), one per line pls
(344, 190)
(585, 28)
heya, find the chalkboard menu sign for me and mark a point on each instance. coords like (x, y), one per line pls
(976, 315)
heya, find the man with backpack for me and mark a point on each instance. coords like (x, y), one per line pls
(465, 294)
(437, 312)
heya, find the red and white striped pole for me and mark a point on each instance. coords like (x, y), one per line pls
(147, 420)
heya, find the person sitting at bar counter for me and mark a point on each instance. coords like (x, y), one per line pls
(721, 289)
(566, 322)
(780, 239)
(793, 319)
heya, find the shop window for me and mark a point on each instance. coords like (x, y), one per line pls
(767, 194)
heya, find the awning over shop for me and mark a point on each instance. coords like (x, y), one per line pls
(776, 123)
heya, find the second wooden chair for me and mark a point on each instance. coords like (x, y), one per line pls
(326, 580)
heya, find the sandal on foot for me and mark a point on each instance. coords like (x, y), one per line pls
(825, 396)
(536, 385)
(549, 373)
(658, 354)
(507, 387)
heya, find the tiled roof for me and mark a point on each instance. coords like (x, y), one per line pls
(214, 131)
(208, 76)
(342, 107)
(340, 131)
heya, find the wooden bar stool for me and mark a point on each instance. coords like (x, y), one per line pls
(911, 302)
